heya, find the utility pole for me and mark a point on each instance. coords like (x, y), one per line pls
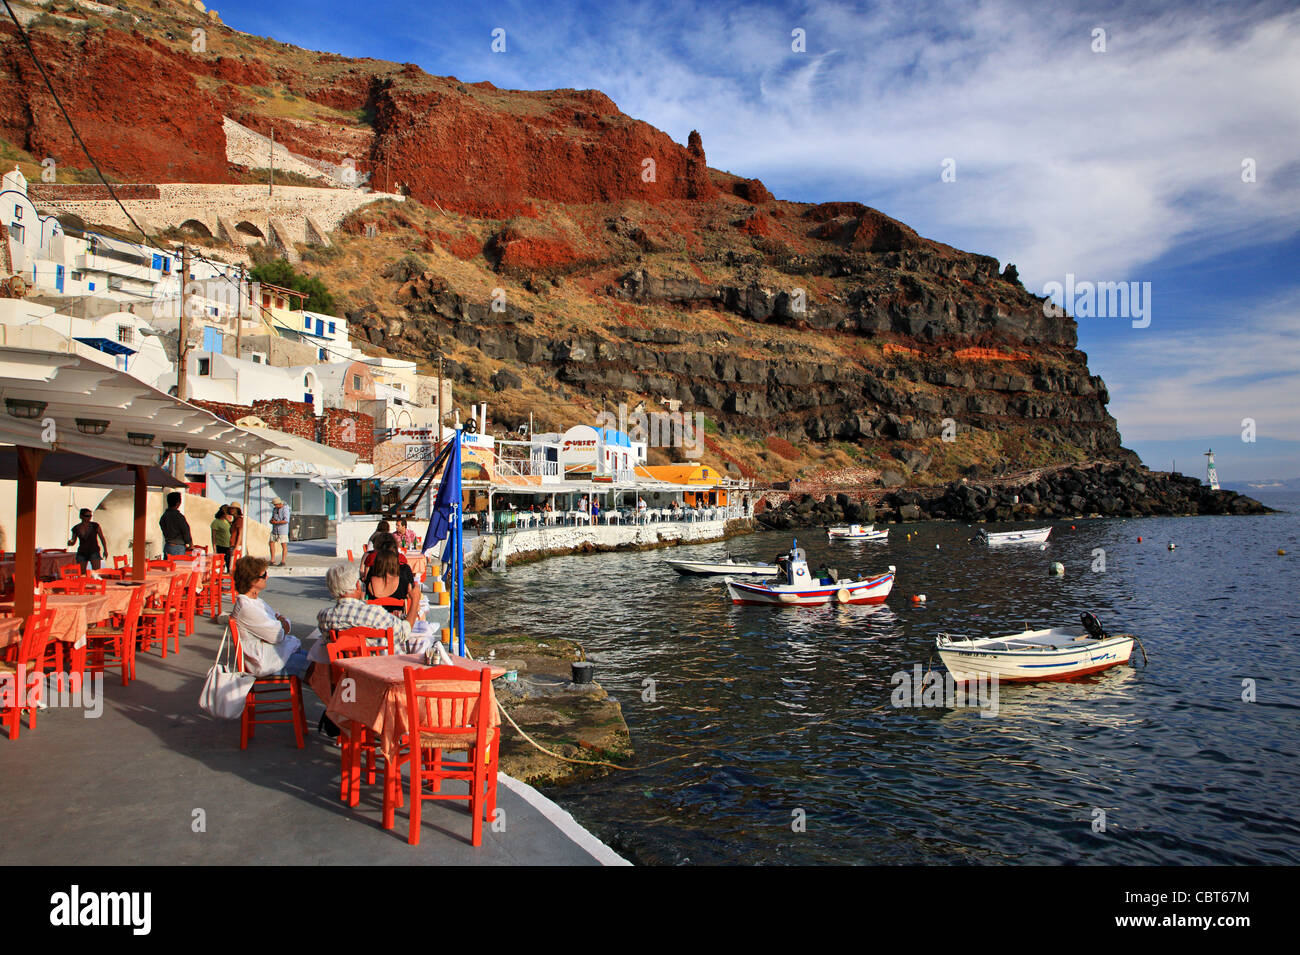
(437, 434)
(239, 315)
(183, 327)
(182, 347)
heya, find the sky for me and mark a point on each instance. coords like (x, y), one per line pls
(1154, 145)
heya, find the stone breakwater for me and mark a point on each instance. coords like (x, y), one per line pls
(1100, 490)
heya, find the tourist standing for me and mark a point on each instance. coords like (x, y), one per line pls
(175, 528)
(89, 539)
(236, 529)
(595, 511)
(220, 530)
(279, 531)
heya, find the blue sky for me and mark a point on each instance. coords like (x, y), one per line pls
(1122, 165)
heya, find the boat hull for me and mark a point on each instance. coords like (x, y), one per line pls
(970, 665)
(704, 568)
(1036, 535)
(873, 591)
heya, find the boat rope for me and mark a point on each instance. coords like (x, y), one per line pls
(1138, 641)
(658, 762)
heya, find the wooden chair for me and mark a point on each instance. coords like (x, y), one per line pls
(28, 660)
(162, 618)
(359, 740)
(162, 564)
(70, 570)
(109, 647)
(190, 601)
(450, 708)
(216, 585)
(269, 695)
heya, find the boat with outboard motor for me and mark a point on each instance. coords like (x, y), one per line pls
(795, 586)
(1060, 653)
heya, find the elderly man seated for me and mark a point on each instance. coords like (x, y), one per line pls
(351, 610)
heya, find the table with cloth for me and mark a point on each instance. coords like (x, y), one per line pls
(73, 613)
(376, 699)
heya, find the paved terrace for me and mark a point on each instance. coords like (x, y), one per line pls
(123, 788)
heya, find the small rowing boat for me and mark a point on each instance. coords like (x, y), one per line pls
(794, 586)
(1033, 535)
(728, 566)
(1057, 654)
(856, 532)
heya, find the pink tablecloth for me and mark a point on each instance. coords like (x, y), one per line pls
(73, 613)
(376, 697)
(11, 630)
(119, 594)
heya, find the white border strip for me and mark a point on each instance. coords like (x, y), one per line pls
(563, 821)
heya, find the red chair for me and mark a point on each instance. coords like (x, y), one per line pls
(110, 647)
(69, 570)
(29, 659)
(451, 708)
(161, 564)
(207, 598)
(269, 695)
(162, 619)
(343, 645)
(190, 601)
(351, 559)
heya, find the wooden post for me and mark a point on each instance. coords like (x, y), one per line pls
(29, 466)
(141, 522)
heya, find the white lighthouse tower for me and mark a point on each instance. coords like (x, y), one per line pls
(1211, 475)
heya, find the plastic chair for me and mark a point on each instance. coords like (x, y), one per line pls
(450, 708)
(114, 646)
(273, 694)
(29, 659)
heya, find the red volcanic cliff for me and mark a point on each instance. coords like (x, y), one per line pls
(137, 107)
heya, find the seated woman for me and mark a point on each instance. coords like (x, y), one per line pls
(381, 542)
(389, 577)
(269, 648)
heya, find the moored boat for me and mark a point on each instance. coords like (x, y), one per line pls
(713, 567)
(1060, 653)
(1032, 535)
(794, 586)
(856, 532)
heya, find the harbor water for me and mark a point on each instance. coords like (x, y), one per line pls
(771, 735)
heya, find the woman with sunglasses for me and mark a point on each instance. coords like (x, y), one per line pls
(269, 648)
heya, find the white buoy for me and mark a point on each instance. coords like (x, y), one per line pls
(1058, 569)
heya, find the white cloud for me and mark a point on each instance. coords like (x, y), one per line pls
(1206, 380)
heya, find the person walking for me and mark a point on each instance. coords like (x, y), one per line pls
(89, 539)
(220, 530)
(279, 531)
(175, 528)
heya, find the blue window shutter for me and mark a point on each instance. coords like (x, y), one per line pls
(331, 328)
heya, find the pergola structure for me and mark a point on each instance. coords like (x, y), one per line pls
(79, 422)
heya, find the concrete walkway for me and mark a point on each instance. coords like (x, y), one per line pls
(133, 784)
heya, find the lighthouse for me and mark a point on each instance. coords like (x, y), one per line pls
(1211, 475)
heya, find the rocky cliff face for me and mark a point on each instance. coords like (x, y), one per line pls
(563, 255)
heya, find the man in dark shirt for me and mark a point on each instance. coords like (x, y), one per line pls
(175, 528)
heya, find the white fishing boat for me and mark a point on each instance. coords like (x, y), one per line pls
(856, 532)
(728, 566)
(1033, 535)
(794, 586)
(1060, 653)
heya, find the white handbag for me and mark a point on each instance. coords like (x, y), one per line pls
(226, 689)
